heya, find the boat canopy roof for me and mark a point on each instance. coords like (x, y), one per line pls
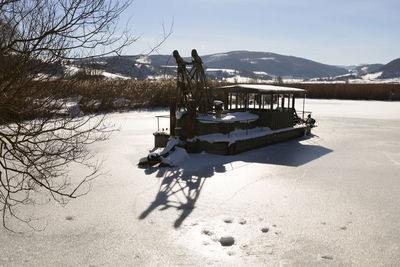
(261, 88)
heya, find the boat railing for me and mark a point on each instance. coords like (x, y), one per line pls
(303, 114)
(158, 120)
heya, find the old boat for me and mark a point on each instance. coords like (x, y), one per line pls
(229, 119)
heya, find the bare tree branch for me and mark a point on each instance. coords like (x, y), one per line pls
(40, 140)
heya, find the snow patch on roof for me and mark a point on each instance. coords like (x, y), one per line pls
(263, 88)
(228, 117)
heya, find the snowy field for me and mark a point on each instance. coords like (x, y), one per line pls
(328, 200)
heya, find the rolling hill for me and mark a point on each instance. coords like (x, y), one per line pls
(242, 64)
(256, 65)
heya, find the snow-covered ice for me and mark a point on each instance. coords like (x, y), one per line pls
(331, 199)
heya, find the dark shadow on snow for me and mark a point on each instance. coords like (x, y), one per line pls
(181, 186)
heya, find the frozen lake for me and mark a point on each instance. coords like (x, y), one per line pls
(328, 200)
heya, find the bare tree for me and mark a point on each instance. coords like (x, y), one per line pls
(40, 139)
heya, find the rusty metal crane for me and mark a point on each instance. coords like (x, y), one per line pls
(191, 84)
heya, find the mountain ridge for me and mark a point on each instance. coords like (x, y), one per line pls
(254, 65)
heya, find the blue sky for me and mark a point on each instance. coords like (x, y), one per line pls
(338, 32)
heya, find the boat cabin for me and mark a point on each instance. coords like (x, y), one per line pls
(244, 117)
(274, 104)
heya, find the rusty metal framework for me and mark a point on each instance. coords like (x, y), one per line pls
(191, 83)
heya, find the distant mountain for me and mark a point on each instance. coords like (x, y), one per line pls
(272, 64)
(391, 70)
(240, 66)
(254, 65)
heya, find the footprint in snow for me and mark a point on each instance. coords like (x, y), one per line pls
(244, 246)
(265, 229)
(242, 221)
(327, 257)
(228, 220)
(207, 232)
(227, 241)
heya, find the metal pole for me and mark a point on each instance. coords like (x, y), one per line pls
(293, 101)
(191, 118)
(304, 102)
(172, 116)
(263, 101)
(272, 102)
(237, 100)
